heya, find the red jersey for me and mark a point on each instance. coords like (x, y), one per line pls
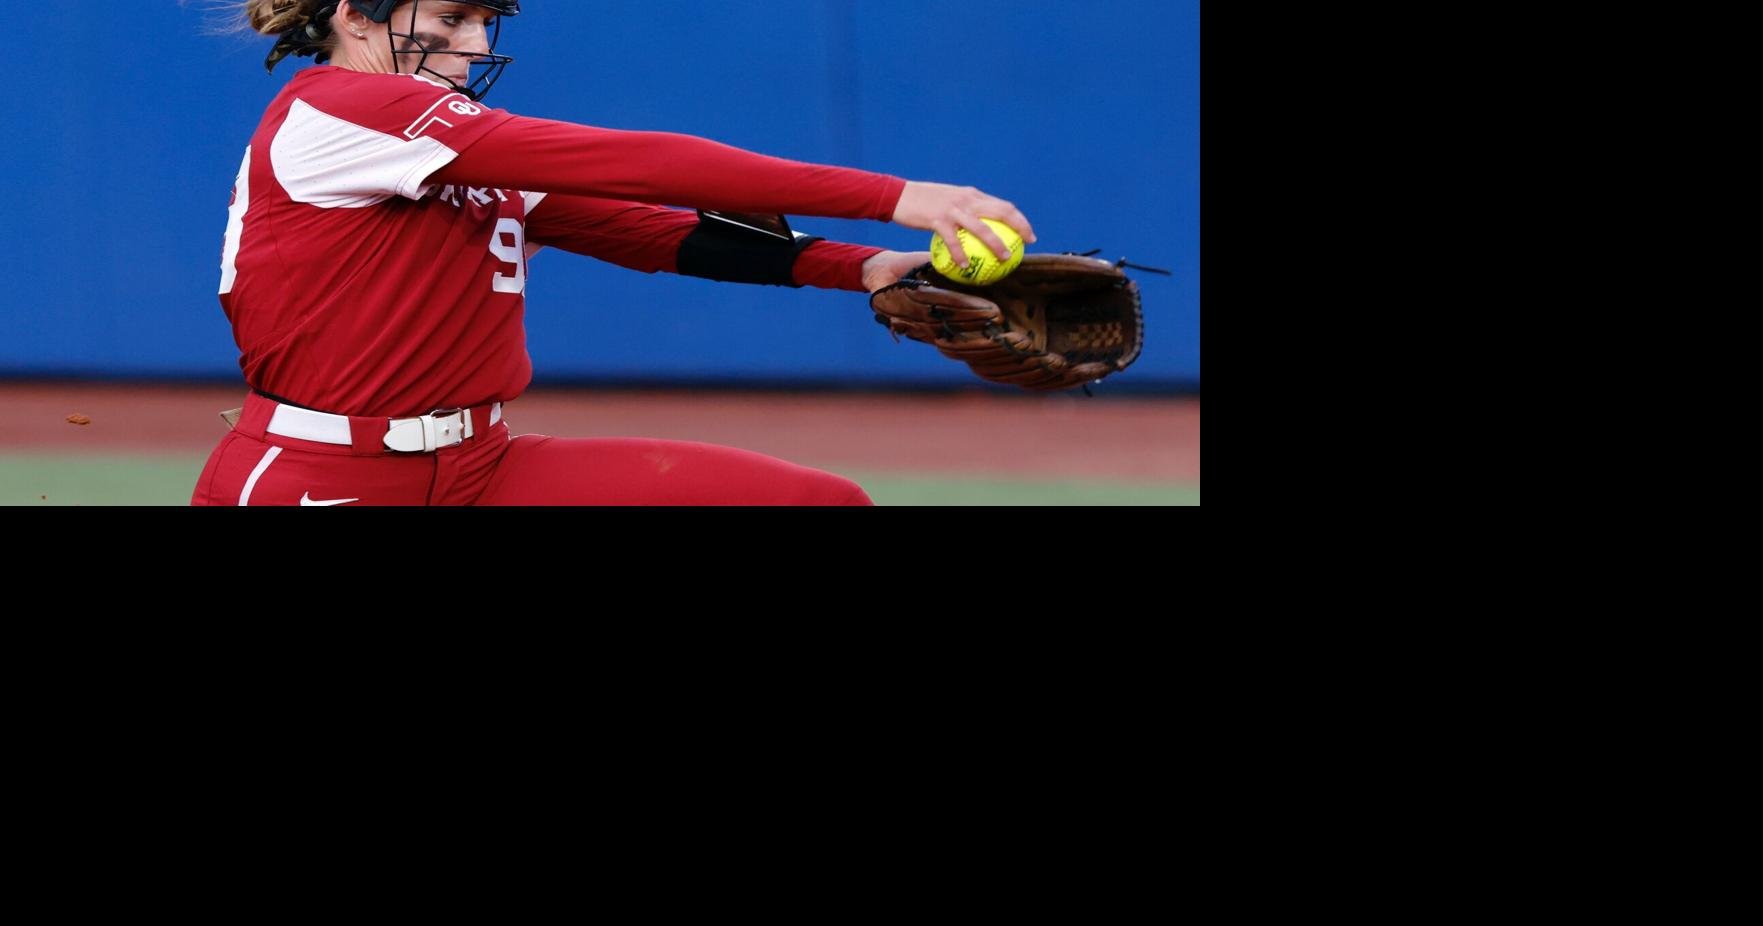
(376, 246)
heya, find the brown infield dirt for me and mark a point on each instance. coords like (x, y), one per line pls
(978, 433)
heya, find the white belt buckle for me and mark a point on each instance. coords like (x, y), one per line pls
(429, 433)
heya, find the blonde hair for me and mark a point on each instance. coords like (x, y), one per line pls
(291, 21)
(274, 17)
(264, 17)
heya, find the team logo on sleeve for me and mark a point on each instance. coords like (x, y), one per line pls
(453, 105)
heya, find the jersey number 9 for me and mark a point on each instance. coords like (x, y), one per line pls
(510, 230)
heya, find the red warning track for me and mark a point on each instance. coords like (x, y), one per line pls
(982, 434)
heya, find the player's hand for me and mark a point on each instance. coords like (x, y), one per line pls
(886, 268)
(942, 208)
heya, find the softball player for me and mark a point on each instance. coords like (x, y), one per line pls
(374, 269)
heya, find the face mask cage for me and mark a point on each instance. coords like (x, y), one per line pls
(486, 69)
(483, 72)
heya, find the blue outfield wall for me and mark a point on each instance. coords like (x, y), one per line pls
(128, 130)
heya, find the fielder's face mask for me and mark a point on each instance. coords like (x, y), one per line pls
(486, 68)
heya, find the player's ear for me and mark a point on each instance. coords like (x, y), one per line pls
(351, 21)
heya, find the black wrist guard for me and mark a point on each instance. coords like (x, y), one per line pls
(736, 248)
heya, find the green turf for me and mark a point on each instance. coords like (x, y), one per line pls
(894, 489)
(168, 480)
(99, 480)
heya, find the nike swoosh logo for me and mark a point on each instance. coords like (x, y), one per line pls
(307, 502)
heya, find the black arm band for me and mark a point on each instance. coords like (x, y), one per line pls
(731, 253)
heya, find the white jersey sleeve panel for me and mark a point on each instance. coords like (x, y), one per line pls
(532, 201)
(235, 225)
(333, 163)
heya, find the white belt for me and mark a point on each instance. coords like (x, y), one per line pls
(425, 434)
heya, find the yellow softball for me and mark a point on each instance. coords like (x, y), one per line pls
(983, 267)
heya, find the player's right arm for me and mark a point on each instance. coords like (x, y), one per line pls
(666, 168)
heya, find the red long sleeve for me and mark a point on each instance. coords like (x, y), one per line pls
(541, 155)
(647, 238)
(635, 235)
(834, 265)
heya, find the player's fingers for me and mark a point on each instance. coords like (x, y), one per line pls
(1013, 217)
(953, 240)
(1004, 211)
(987, 236)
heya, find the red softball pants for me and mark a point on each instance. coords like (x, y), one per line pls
(252, 466)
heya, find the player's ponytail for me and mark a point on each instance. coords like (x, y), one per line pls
(302, 27)
(274, 17)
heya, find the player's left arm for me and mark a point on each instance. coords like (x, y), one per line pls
(653, 239)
